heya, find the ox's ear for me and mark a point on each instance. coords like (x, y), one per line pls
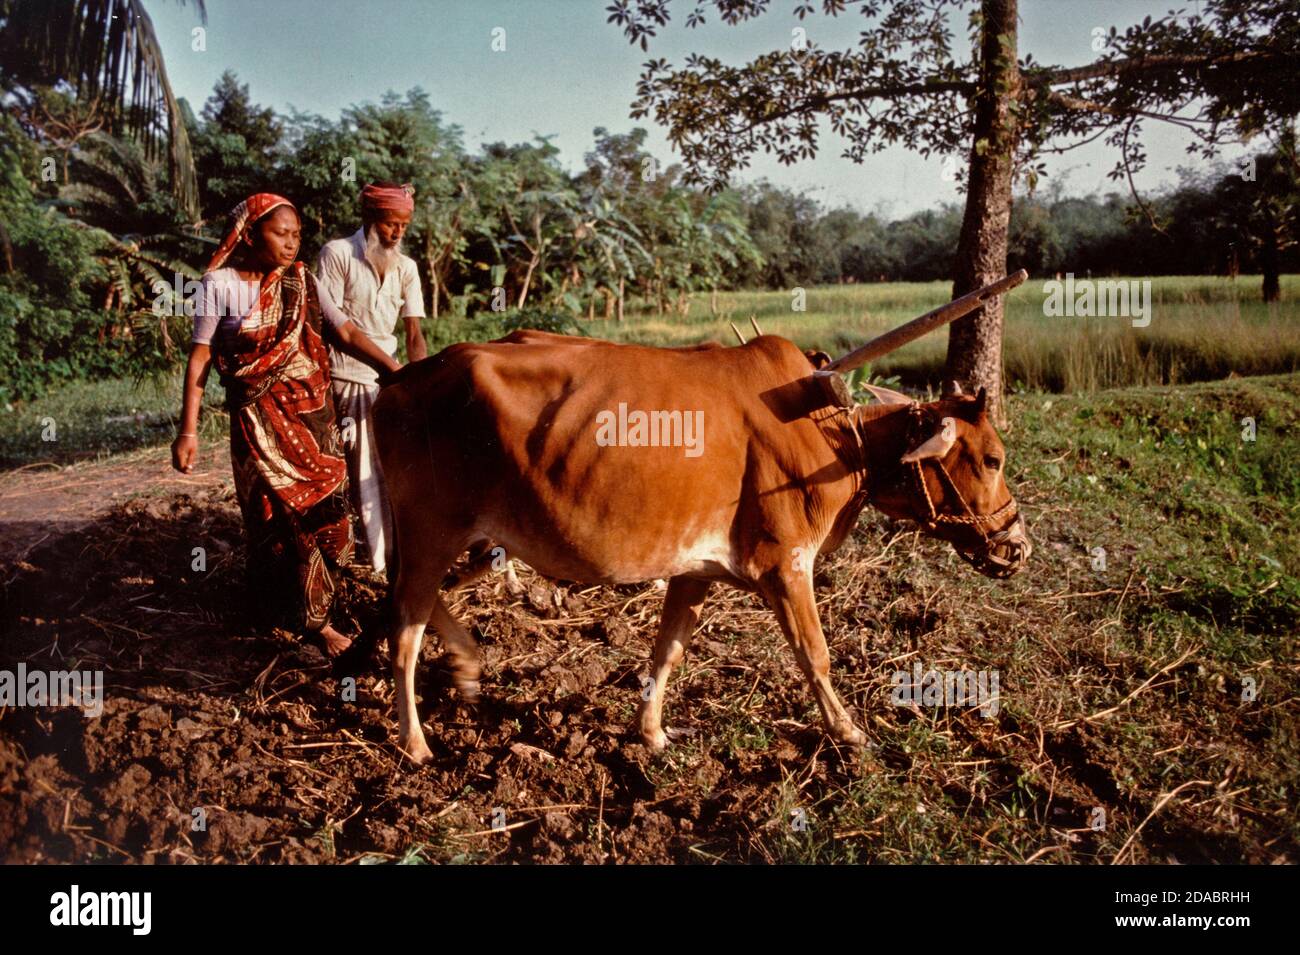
(981, 401)
(938, 445)
(816, 357)
(887, 396)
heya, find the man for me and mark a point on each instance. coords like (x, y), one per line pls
(375, 284)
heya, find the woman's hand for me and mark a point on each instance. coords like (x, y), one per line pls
(186, 446)
(184, 450)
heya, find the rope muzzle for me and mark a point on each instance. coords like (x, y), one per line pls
(999, 554)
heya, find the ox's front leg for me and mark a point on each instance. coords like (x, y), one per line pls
(682, 606)
(415, 594)
(790, 595)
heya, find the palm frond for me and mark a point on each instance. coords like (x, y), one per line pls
(108, 51)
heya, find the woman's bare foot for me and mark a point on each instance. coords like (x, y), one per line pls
(330, 641)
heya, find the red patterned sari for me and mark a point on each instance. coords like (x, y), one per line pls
(285, 446)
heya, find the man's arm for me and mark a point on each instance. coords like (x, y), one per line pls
(351, 340)
(412, 312)
(331, 279)
(415, 345)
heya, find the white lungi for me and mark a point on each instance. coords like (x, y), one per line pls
(365, 480)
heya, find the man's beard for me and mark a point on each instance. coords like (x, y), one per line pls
(379, 256)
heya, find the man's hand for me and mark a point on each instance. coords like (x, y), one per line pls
(386, 375)
(184, 450)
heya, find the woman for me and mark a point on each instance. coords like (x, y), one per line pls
(259, 321)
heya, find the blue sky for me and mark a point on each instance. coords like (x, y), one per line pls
(566, 71)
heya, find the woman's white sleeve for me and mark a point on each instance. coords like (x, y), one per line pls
(206, 312)
(328, 310)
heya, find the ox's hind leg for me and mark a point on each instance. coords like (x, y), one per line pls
(681, 613)
(790, 595)
(463, 649)
(482, 559)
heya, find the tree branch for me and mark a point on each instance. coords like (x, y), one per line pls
(821, 101)
(1103, 68)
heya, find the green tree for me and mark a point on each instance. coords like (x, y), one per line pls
(1259, 205)
(235, 147)
(404, 139)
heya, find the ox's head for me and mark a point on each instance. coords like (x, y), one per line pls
(951, 480)
(948, 476)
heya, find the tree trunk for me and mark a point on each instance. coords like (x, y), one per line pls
(620, 298)
(528, 278)
(1269, 265)
(975, 342)
(431, 264)
(1272, 284)
(6, 247)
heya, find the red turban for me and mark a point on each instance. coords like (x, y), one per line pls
(244, 215)
(380, 199)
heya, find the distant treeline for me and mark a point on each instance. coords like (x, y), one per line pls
(95, 251)
(1195, 232)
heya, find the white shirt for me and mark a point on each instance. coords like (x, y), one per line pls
(374, 307)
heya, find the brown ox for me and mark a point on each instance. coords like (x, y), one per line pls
(503, 441)
(483, 556)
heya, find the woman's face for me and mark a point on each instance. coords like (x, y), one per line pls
(275, 238)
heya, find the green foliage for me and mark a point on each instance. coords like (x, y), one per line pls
(234, 147)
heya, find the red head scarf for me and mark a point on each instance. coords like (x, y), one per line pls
(243, 217)
(376, 200)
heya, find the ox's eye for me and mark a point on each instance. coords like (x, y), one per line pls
(992, 462)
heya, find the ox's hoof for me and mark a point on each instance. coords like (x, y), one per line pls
(416, 750)
(656, 741)
(849, 736)
(468, 690)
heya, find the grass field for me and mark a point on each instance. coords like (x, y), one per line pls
(1201, 328)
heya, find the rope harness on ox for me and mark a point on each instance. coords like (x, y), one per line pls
(985, 556)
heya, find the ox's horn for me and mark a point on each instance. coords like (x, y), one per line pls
(737, 331)
(888, 396)
(900, 336)
(757, 331)
(937, 445)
